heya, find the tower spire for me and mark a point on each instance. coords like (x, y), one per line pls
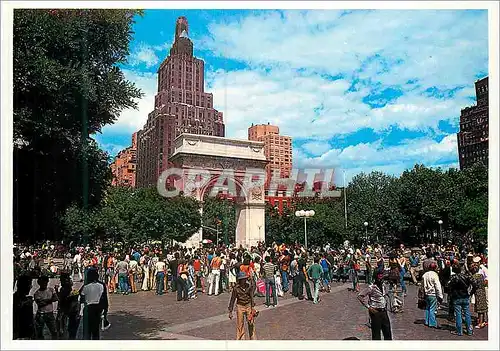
(181, 28)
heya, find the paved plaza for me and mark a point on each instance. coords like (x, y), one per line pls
(339, 315)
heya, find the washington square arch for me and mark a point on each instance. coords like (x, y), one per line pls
(206, 165)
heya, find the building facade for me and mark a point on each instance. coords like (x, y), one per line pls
(124, 166)
(277, 148)
(181, 106)
(473, 134)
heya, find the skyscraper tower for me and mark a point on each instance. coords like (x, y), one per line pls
(181, 106)
(473, 135)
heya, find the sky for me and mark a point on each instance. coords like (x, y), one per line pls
(358, 90)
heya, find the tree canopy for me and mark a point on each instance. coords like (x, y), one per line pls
(134, 216)
(67, 86)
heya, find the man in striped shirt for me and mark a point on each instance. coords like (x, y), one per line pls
(373, 299)
(269, 270)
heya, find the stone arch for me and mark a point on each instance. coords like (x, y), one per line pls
(235, 160)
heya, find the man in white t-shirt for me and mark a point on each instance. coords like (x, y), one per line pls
(161, 268)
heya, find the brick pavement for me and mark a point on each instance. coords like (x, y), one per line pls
(339, 315)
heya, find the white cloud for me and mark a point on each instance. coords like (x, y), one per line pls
(145, 54)
(437, 47)
(132, 120)
(309, 106)
(367, 157)
(316, 147)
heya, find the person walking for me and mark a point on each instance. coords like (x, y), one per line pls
(294, 273)
(460, 288)
(303, 279)
(93, 305)
(199, 274)
(144, 263)
(68, 318)
(160, 269)
(284, 262)
(173, 265)
(122, 269)
(182, 281)
(481, 302)
(242, 295)
(110, 273)
(433, 295)
(134, 271)
(77, 265)
(373, 298)
(44, 298)
(269, 270)
(325, 265)
(402, 273)
(414, 262)
(215, 278)
(315, 272)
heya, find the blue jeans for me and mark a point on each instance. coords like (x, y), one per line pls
(402, 273)
(271, 285)
(462, 305)
(160, 279)
(123, 282)
(430, 311)
(284, 280)
(326, 276)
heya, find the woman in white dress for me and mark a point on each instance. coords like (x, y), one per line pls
(144, 261)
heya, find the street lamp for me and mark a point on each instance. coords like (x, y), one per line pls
(366, 232)
(440, 222)
(305, 215)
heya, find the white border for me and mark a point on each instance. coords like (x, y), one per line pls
(6, 178)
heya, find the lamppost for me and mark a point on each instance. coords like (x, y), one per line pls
(440, 222)
(305, 215)
(366, 232)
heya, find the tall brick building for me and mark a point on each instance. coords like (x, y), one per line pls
(181, 106)
(277, 148)
(473, 134)
(124, 165)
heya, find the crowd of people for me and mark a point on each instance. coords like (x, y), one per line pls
(266, 271)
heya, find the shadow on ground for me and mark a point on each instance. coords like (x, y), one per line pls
(128, 326)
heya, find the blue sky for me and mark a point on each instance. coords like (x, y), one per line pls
(358, 90)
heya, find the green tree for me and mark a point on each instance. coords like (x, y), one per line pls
(136, 216)
(219, 209)
(67, 86)
(372, 198)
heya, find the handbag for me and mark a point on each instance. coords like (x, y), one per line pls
(261, 286)
(421, 302)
